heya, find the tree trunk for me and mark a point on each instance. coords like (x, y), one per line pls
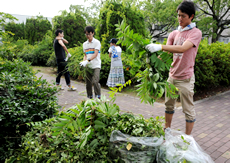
(214, 39)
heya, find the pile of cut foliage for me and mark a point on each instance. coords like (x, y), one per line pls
(82, 133)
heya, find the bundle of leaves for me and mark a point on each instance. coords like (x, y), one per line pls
(149, 68)
(24, 98)
(81, 134)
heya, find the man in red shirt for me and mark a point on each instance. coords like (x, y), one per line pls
(183, 43)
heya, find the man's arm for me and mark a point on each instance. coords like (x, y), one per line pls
(65, 41)
(94, 55)
(61, 38)
(178, 48)
(63, 45)
(85, 57)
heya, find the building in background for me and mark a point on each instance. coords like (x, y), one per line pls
(22, 18)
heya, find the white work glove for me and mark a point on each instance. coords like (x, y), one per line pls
(84, 63)
(154, 47)
(68, 56)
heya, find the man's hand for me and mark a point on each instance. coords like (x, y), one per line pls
(84, 63)
(154, 47)
(68, 56)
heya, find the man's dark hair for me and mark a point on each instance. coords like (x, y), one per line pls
(187, 7)
(89, 29)
(58, 31)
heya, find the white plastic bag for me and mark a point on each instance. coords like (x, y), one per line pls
(179, 147)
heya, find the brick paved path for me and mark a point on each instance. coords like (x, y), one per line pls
(211, 130)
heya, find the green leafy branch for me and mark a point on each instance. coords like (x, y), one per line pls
(148, 67)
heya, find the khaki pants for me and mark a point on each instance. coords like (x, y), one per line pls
(92, 79)
(186, 91)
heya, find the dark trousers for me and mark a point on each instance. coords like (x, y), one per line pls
(92, 79)
(62, 69)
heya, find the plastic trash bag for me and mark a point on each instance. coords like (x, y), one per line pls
(141, 149)
(181, 148)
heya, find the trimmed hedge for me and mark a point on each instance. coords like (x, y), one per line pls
(212, 65)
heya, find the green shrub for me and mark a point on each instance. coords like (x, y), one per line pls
(39, 53)
(82, 133)
(212, 65)
(24, 98)
(7, 48)
(27, 54)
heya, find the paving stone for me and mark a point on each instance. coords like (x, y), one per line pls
(202, 135)
(222, 149)
(220, 160)
(216, 154)
(226, 155)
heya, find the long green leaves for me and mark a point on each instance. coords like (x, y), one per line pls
(85, 119)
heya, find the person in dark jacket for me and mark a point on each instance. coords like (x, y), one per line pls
(60, 49)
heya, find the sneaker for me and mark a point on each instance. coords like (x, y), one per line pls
(72, 88)
(59, 88)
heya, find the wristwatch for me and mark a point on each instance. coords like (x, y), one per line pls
(89, 60)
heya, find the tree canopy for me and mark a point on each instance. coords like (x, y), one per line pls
(160, 16)
(17, 28)
(36, 28)
(214, 17)
(114, 12)
(3, 18)
(73, 25)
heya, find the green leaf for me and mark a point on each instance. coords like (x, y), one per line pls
(55, 133)
(156, 77)
(136, 46)
(99, 124)
(71, 127)
(94, 143)
(56, 129)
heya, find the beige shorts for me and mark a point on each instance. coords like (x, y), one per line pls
(186, 92)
